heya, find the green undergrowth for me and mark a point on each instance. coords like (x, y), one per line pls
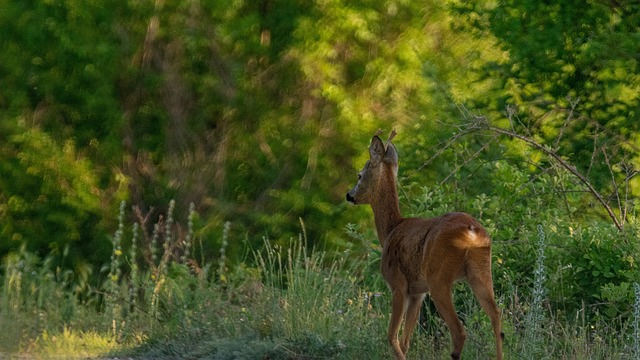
(290, 301)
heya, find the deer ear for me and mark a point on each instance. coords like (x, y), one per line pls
(376, 151)
(391, 156)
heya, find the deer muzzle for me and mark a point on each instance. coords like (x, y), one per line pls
(350, 198)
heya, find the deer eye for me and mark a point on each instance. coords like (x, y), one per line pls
(359, 176)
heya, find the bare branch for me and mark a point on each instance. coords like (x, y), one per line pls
(477, 123)
(444, 145)
(593, 154)
(466, 161)
(616, 191)
(630, 172)
(481, 123)
(568, 119)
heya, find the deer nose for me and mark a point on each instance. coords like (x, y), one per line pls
(351, 199)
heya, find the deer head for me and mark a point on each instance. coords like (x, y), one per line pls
(379, 172)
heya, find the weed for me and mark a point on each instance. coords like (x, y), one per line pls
(295, 302)
(636, 322)
(533, 342)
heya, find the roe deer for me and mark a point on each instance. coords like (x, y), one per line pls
(422, 256)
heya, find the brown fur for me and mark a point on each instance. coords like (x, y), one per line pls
(422, 256)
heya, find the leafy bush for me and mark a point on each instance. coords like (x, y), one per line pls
(590, 269)
(601, 268)
(48, 188)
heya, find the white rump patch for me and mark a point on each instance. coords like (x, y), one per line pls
(475, 240)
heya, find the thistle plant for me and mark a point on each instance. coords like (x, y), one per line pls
(133, 287)
(636, 322)
(535, 317)
(188, 238)
(162, 267)
(116, 241)
(167, 238)
(153, 245)
(114, 273)
(223, 259)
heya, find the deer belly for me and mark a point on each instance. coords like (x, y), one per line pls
(400, 276)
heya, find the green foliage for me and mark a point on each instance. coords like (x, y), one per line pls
(569, 79)
(256, 115)
(593, 267)
(63, 70)
(604, 268)
(256, 111)
(49, 188)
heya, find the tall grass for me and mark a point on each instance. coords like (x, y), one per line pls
(294, 302)
(319, 304)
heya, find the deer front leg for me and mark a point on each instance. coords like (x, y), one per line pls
(398, 309)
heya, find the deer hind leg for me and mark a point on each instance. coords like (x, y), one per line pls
(398, 309)
(410, 320)
(481, 283)
(443, 299)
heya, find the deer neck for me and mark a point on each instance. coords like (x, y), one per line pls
(386, 210)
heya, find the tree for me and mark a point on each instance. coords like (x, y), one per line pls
(570, 79)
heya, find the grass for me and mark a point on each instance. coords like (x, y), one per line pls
(294, 303)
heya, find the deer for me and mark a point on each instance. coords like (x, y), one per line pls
(421, 255)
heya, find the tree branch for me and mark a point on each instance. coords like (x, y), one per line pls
(479, 123)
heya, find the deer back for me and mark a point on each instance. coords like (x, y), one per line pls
(417, 250)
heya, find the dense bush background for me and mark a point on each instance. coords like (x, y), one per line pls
(254, 117)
